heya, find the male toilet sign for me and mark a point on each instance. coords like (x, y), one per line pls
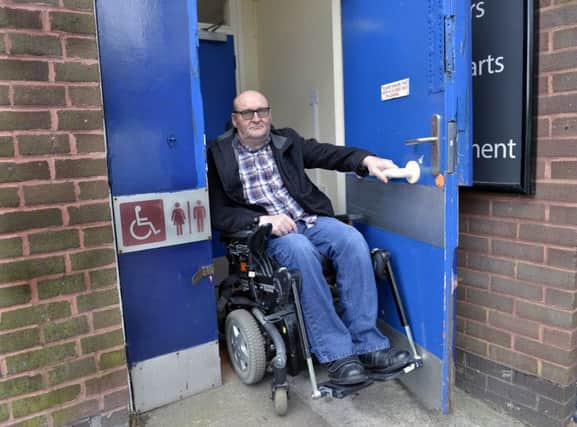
(147, 221)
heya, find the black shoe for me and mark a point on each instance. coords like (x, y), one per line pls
(347, 371)
(385, 361)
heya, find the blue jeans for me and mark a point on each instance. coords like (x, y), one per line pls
(332, 337)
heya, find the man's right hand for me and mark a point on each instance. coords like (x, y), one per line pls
(281, 224)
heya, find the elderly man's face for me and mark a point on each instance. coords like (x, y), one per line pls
(252, 118)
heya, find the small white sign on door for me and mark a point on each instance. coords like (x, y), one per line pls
(396, 89)
(154, 220)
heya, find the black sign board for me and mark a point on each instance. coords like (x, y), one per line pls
(502, 95)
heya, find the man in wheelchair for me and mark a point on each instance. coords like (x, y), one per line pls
(257, 177)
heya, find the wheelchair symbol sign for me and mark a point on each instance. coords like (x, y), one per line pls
(142, 222)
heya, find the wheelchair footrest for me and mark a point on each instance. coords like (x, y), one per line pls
(338, 391)
(392, 375)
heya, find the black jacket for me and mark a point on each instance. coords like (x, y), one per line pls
(293, 154)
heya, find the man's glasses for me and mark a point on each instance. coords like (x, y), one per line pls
(249, 114)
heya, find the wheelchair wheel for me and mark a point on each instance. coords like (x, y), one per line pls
(280, 399)
(246, 346)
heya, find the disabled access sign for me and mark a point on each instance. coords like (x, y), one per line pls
(147, 221)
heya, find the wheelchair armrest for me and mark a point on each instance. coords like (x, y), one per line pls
(241, 235)
(256, 238)
(349, 218)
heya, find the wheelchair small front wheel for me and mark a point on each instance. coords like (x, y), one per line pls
(280, 399)
(246, 346)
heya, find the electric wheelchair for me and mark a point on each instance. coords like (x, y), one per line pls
(260, 317)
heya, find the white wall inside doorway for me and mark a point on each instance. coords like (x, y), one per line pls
(290, 50)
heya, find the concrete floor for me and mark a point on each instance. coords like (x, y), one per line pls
(382, 404)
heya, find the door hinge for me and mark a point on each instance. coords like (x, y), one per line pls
(452, 146)
(204, 271)
(449, 45)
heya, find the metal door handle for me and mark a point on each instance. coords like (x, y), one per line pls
(434, 139)
(421, 140)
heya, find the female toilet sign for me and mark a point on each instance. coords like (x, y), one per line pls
(146, 221)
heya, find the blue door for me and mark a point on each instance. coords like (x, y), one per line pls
(155, 139)
(407, 83)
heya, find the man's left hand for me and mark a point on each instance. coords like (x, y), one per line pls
(377, 166)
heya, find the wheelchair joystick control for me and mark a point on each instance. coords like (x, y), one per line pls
(411, 172)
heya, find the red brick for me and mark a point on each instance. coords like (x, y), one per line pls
(95, 212)
(473, 278)
(24, 120)
(518, 250)
(21, 19)
(107, 382)
(565, 127)
(543, 42)
(39, 95)
(547, 234)
(547, 315)
(514, 324)
(26, 220)
(34, 145)
(470, 344)
(564, 170)
(562, 215)
(489, 300)
(93, 258)
(469, 204)
(31, 268)
(517, 209)
(16, 172)
(547, 276)
(79, 4)
(90, 143)
(81, 48)
(562, 258)
(12, 69)
(561, 375)
(474, 243)
(90, 190)
(53, 241)
(555, 148)
(557, 61)
(486, 333)
(79, 168)
(76, 72)
(9, 198)
(491, 264)
(72, 22)
(80, 120)
(565, 82)
(563, 339)
(559, 16)
(85, 96)
(566, 300)
(514, 359)
(26, 44)
(471, 311)
(516, 288)
(543, 127)
(545, 352)
(557, 104)
(49, 193)
(486, 227)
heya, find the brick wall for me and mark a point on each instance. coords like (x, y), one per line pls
(62, 355)
(517, 295)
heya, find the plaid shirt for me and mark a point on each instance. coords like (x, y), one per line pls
(262, 184)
